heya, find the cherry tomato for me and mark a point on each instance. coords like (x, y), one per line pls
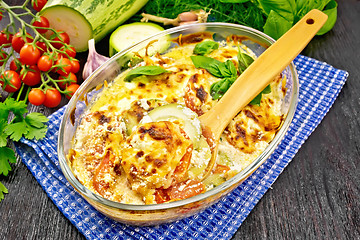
(63, 38)
(36, 97)
(15, 65)
(18, 42)
(75, 65)
(5, 39)
(38, 4)
(71, 52)
(1, 16)
(64, 67)
(42, 23)
(12, 77)
(104, 167)
(52, 98)
(70, 79)
(42, 47)
(3, 56)
(72, 89)
(44, 63)
(29, 54)
(32, 76)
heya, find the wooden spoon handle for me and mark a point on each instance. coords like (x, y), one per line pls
(262, 71)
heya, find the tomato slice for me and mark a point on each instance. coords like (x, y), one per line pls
(221, 168)
(180, 191)
(104, 167)
(181, 169)
(161, 196)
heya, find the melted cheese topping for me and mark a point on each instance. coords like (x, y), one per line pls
(151, 155)
(125, 160)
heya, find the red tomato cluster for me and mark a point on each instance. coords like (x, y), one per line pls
(37, 58)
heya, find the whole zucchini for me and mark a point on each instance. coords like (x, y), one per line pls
(86, 19)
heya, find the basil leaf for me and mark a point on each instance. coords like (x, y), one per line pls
(257, 99)
(219, 88)
(205, 47)
(231, 68)
(284, 8)
(210, 64)
(227, 69)
(244, 61)
(144, 70)
(331, 11)
(267, 89)
(276, 25)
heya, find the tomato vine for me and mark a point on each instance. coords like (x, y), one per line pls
(38, 62)
(40, 55)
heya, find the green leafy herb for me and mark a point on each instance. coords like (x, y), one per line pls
(255, 13)
(224, 70)
(144, 70)
(257, 99)
(227, 72)
(215, 67)
(330, 10)
(3, 190)
(219, 88)
(237, 11)
(205, 47)
(234, 1)
(244, 61)
(276, 25)
(283, 14)
(7, 156)
(31, 126)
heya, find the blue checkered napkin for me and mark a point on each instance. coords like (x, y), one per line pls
(320, 84)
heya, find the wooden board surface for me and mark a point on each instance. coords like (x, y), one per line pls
(316, 197)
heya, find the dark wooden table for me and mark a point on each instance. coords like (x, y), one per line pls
(316, 197)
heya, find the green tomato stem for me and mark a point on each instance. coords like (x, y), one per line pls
(20, 91)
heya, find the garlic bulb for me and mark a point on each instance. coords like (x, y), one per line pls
(94, 60)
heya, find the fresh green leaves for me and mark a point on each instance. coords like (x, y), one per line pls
(7, 155)
(144, 70)
(257, 99)
(31, 126)
(276, 25)
(227, 72)
(284, 8)
(205, 47)
(3, 190)
(207, 63)
(219, 88)
(215, 67)
(283, 14)
(244, 61)
(331, 11)
(234, 1)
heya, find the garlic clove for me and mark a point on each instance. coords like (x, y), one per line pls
(94, 60)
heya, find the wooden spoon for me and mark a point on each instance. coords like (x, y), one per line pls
(257, 76)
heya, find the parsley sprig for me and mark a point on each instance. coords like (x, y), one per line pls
(13, 126)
